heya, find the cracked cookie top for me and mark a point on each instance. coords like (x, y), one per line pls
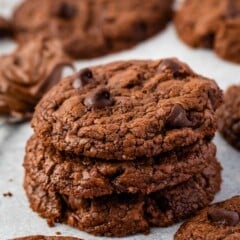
(90, 28)
(129, 109)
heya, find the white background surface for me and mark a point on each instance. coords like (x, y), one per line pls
(17, 219)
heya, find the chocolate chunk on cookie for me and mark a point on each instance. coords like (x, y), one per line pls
(41, 237)
(27, 73)
(214, 24)
(128, 110)
(87, 178)
(5, 28)
(219, 221)
(125, 214)
(229, 116)
(92, 28)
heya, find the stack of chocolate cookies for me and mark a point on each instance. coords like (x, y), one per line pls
(119, 148)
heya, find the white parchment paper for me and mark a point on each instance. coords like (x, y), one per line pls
(17, 219)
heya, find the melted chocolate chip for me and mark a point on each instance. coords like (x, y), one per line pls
(99, 99)
(178, 70)
(223, 217)
(85, 77)
(178, 118)
(65, 11)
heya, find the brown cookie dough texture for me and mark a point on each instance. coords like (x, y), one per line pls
(41, 237)
(211, 24)
(128, 110)
(124, 147)
(87, 178)
(124, 214)
(27, 73)
(5, 28)
(90, 28)
(219, 221)
(229, 116)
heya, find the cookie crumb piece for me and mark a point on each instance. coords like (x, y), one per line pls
(7, 194)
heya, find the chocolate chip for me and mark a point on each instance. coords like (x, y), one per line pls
(99, 99)
(65, 10)
(223, 217)
(85, 77)
(178, 118)
(173, 66)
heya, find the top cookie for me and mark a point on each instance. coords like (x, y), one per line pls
(27, 73)
(92, 28)
(5, 28)
(219, 221)
(214, 24)
(126, 110)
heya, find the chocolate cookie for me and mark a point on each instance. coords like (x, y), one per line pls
(40, 237)
(214, 24)
(124, 214)
(90, 28)
(27, 73)
(229, 116)
(127, 110)
(219, 221)
(87, 178)
(5, 28)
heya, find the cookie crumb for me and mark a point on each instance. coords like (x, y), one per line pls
(8, 194)
(58, 233)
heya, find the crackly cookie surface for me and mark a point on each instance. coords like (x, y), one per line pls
(219, 221)
(211, 24)
(92, 28)
(41, 237)
(125, 214)
(229, 116)
(126, 110)
(5, 28)
(27, 73)
(87, 178)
